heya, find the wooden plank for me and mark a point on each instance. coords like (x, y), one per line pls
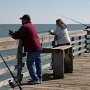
(8, 58)
(76, 47)
(46, 37)
(8, 43)
(68, 60)
(5, 47)
(46, 57)
(77, 41)
(79, 45)
(21, 55)
(5, 70)
(71, 58)
(49, 49)
(63, 47)
(81, 51)
(19, 60)
(19, 66)
(58, 64)
(77, 33)
(5, 39)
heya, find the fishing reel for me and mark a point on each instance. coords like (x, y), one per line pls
(12, 84)
(87, 28)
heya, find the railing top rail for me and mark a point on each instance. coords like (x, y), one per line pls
(43, 36)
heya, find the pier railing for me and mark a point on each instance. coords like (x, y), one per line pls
(80, 43)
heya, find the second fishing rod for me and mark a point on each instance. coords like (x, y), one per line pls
(75, 21)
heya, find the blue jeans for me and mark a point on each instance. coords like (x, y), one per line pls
(34, 61)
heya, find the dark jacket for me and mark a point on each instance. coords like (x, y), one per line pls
(27, 33)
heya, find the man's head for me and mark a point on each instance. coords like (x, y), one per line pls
(26, 16)
(26, 19)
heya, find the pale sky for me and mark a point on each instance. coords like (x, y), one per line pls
(44, 11)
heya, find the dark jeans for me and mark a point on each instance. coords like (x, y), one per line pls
(34, 62)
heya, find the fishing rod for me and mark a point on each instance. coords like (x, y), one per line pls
(11, 74)
(75, 21)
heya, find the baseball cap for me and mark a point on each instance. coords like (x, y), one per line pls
(26, 16)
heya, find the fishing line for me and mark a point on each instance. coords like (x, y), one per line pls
(4, 27)
(11, 73)
(75, 21)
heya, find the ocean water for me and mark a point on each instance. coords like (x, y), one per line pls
(41, 28)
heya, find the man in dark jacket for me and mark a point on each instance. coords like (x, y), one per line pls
(27, 33)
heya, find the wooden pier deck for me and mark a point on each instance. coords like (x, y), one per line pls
(78, 80)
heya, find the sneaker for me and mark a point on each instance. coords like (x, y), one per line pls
(35, 82)
(40, 81)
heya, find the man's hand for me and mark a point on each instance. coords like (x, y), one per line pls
(51, 32)
(88, 27)
(11, 32)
